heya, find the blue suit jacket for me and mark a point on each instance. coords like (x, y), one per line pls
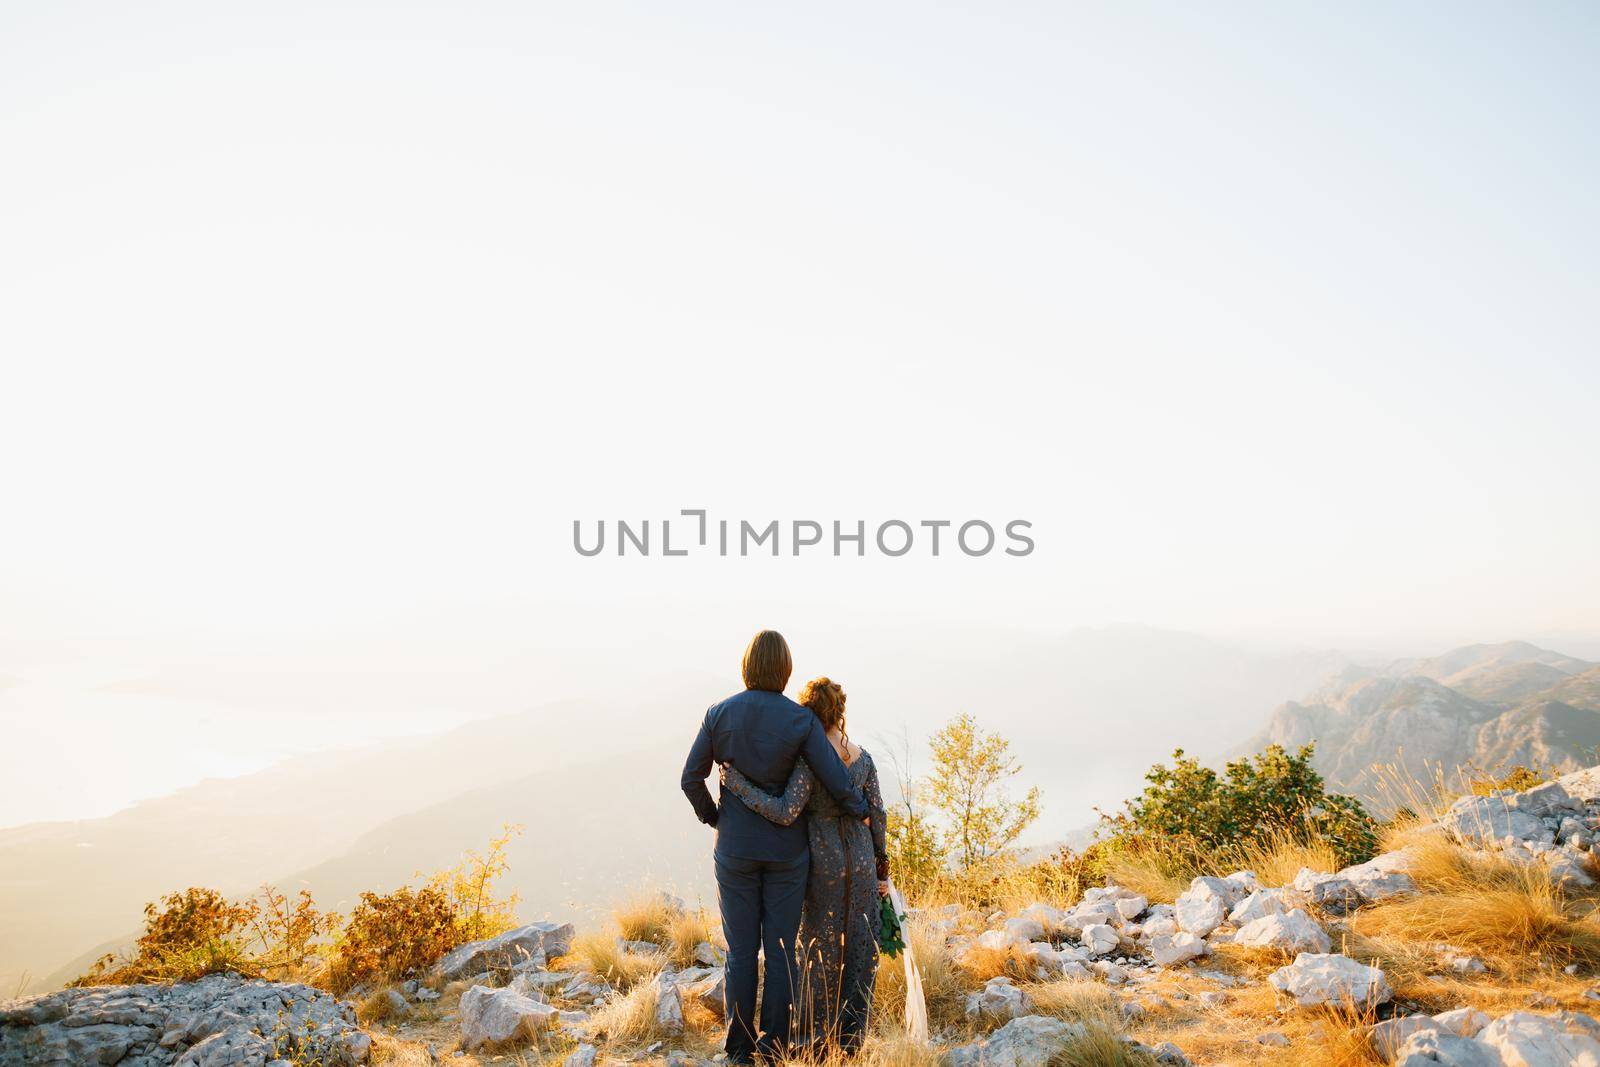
(762, 734)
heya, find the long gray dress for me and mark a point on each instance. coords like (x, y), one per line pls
(839, 927)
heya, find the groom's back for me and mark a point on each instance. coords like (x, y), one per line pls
(760, 733)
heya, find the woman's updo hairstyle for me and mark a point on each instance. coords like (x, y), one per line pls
(825, 698)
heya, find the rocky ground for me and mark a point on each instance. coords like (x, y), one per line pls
(219, 1021)
(1232, 971)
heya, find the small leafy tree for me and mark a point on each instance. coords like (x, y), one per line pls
(288, 929)
(470, 888)
(968, 788)
(1275, 794)
(917, 856)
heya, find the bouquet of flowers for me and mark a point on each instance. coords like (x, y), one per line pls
(891, 932)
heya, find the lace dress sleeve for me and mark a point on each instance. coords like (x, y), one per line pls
(877, 819)
(781, 810)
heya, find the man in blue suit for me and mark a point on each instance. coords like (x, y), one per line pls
(761, 866)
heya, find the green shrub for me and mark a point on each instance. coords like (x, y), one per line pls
(1257, 802)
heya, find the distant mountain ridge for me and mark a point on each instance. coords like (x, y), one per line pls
(1486, 706)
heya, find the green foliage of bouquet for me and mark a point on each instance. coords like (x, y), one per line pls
(891, 934)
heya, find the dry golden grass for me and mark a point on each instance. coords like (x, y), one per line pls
(656, 917)
(944, 985)
(1102, 1047)
(1512, 916)
(1161, 874)
(409, 1045)
(395, 1052)
(879, 1050)
(1227, 1033)
(1277, 860)
(1512, 927)
(1079, 1000)
(981, 964)
(1150, 876)
(645, 916)
(631, 1018)
(375, 1007)
(1211, 1035)
(1413, 795)
(684, 933)
(653, 917)
(897, 1051)
(1332, 1041)
(599, 952)
(1006, 886)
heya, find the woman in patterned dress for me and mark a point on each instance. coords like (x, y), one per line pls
(849, 871)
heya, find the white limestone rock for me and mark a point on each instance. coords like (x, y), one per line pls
(1388, 1036)
(1463, 1022)
(1245, 883)
(1100, 939)
(1316, 978)
(1522, 1039)
(998, 940)
(1170, 950)
(1492, 820)
(1289, 932)
(709, 955)
(1132, 906)
(540, 939)
(1548, 801)
(501, 1016)
(1048, 961)
(1159, 927)
(1203, 906)
(1259, 903)
(1332, 893)
(709, 991)
(1438, 1048)
(237, 1046)
(998, 999)
(669, 1007)
(1026, 1041)
(1049, 918)
(1382, 877)
(1096, 912)
(1568, 867)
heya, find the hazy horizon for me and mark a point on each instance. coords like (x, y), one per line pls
(240, 711)
(323, 326)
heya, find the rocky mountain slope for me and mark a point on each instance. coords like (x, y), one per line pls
(1233, 971)
(1484, 706)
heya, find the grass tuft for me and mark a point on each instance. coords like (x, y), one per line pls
(1102, 1047)
(944, 985)
(631, 1018)
(599, 953)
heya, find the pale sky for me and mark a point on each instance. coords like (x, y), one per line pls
(320, 323)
